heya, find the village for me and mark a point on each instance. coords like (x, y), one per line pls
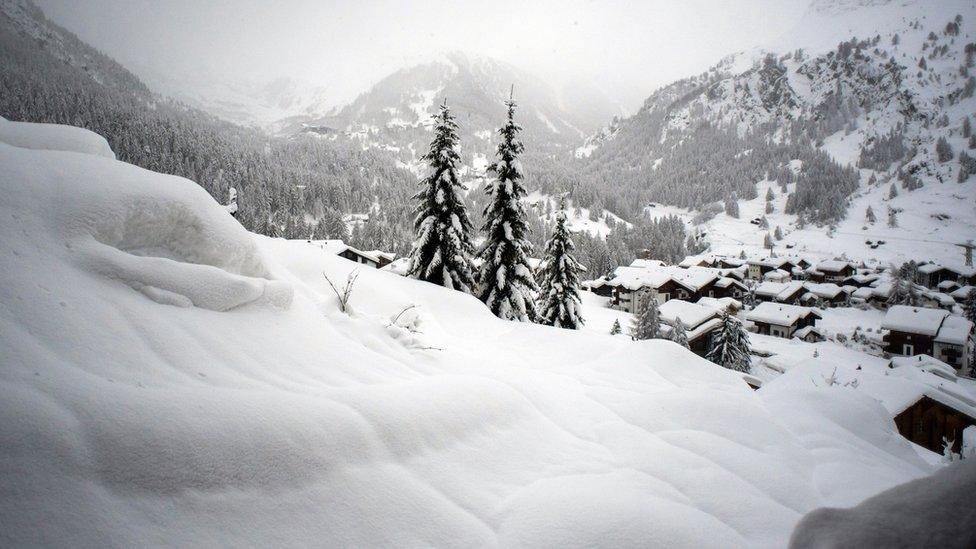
(907, 343)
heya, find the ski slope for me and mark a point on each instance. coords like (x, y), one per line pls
(167, 378)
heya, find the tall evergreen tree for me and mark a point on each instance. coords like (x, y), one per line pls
(442, 251)
(559, 301)
(505, 280)
(869, 215)
(678, 333)
(647, 320)
(730, 346)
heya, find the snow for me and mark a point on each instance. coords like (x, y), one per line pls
(955, 330)
(910, 515)
(917, 320)
(256, 413)
(53, 137)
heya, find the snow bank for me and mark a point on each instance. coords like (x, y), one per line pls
(255, 413)
(53, 137)
(914, 514)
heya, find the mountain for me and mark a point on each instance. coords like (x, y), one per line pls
(395, 113)
(828, 119)
(265, 105)
(285, 186)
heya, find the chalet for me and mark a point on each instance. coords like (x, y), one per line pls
(777, 275)
(731, 263)
(632, 285)
(862, 280)
(780, 292)
(780, 319)
(598, 286)
(826, 293)
(698, 320)
(758, 268)
(920, 330)
(932, 274)
(647, 263)
(932, 419)
(697, 261)
(810, 334)
(373, 258)
(948, 286)
(728, 287)
(937, 300)
(831, 271)
(960, 294)
(722, 304)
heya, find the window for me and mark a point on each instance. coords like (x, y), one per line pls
(908, 349)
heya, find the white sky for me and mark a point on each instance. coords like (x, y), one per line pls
(626, 48)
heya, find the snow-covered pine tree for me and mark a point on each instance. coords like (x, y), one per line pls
(678, 333)
(442, 250)
(647, 320)
(778, 233)
(869, 215)
(559, 301)
(505, 280)
(615, 329)
(969, 306)
(730, 346)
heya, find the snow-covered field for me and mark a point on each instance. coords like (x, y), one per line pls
(167, 378)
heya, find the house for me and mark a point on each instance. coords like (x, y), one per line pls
(861, 280)
(781, 292)
(729, 287)
(697, 261)
(960, 294)
(777, 275)
(931, 275)
(758, 268)
(921, 330)
(930, 421)
(698, 320)
(810, 334)
(827, 293)
(373, 258)
(631, 285)
(833, 270)
(598, 286)
(722, 304)
(781, 319)
(647, 263)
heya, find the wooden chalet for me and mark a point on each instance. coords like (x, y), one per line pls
(831, 271)
(928, 421)
(781, 319)
(921, 330)
(699, 322)
(780, 292)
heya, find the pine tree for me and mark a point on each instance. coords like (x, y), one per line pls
(778, 233)
(505, 280)
(943, 150)
(769, 207)
(678, 333)
(869, 215)
(615, 329)
(647, 321)
(768, 242)
(892, 218)
(442, 251)
(730, 346)
(559, 301)
(969, 306)
(892, 191)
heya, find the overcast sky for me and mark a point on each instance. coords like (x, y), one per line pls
(626, 48)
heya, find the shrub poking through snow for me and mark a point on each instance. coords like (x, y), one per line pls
(559, 301)
(442, 251)
(505, 280)
(730, 347)
(346, 292)
(615, 329)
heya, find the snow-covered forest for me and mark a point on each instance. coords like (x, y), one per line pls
(479, 302)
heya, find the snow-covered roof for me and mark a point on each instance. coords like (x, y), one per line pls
(777, 275)
(721, 303)
(807, 330)
(955, 330)
(645, 263)
(961, 293)
(693, 278)
(926, 363)
(827, 290)
(779, 290)
(833, 265)
(948, 285)
(633, 278)
(940, 298)
(780, 314)
(692, 315)
(725, 282)
(916, 320)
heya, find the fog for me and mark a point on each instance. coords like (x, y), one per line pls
(625, 48)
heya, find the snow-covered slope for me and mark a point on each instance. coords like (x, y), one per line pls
(871, 85)
(167, 378)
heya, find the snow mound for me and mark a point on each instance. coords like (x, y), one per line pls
(913, 514)
(53, 137)
(264, 416)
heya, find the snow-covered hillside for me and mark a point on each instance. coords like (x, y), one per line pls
(883, 88)
(167, 378)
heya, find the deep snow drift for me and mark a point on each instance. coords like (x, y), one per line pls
(168, 378)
